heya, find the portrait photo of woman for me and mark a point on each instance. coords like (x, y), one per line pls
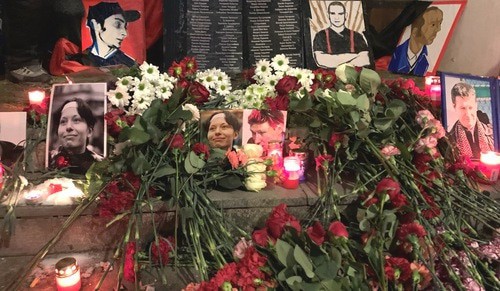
(76, 132)
(221, 129)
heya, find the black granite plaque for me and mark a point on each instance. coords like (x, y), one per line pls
(273, 27)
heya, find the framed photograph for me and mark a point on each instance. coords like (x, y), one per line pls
(470, 113)
(335, 31)
(264, 127)
(423, 43)
(221, 129)
(12, 136)
(113, 32)
(76, 134)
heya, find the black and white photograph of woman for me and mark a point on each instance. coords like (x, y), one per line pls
(76, 135)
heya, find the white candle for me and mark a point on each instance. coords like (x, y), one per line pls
(36, 97)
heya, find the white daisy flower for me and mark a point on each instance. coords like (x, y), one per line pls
(118, 97)
(223, 88)
(262, 69)
(127, 82)
(280, 63)
(149, 72)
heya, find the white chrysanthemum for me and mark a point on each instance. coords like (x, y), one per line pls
(127, 82)
(280, 63)
(149, 72)
(118, 97)
(262, 69)
(223, 88)
(207, 78)
(304, 76)
(139, 105)
(144, 90)
(233, 99)
(164, 90)
(194, 110)
(270, 82)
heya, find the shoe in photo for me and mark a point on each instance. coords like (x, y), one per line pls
(29, 74)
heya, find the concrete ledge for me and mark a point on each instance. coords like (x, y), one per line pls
(36, 225)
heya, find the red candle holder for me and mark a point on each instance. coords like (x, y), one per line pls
(490, 165)
(68, 275)
(292, 172)
(433, 89)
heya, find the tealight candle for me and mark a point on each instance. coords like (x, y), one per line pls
(292, 172)
(68, 275)
(433, 89)
(36, 97)
(490, 165)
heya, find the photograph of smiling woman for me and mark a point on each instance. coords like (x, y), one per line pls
(76, 132)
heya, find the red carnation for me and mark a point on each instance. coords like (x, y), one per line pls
(397, 269)
(128, 266)
(62, 162)
(316, 233)
(160, 251)
(388, 185)
(280, 218)
(200, 148)
(287, 84)
(338, 229)
(261, 237)
(198, 93)
(175, 141)
(413, 228)
(322, 161)
(336, 138)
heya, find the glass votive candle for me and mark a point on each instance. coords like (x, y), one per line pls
(36, 97)
(490, 165)
(68, 275)
(292, 172)
(33, 197)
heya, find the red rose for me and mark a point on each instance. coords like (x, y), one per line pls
(200, 148)
(287, 84)
(260, 237)
(198, 93)
(161, 251)
(389, 186)
(128, 266)
(338, 229)
(316, 233)
(175, 141)
(279, 102)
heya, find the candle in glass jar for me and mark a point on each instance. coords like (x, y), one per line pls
(292, 172)
(36, 97)
(490, 165)
(68, 275)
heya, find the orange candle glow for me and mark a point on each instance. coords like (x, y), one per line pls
(292, 172)
(36, 97)
(68, 275)
(490, 165)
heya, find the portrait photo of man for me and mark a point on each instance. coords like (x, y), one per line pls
(472, 132)
(411, 57)
(340, 40)
(108, 25)
(264, 127)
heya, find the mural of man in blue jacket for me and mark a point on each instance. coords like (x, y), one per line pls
(410, 57)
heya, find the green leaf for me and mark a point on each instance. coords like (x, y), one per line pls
(304, 261)
(285, 273)
(140, 164)
(395, 108)
(327, 270)
(364, 225)
(150, 115)
(369, 80)
(230, 182)
(363, 103)
(291, 281)
(351, 75)
(164, 171)
(193, 163)
(346, 99)
(285, 252)
(316, 122)
(317, 286)
(383, 123)
(135, 135)
(304, 104)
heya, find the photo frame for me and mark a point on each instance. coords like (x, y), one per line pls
(429, 35)
(461, 111)
(76, 132)
(265, 127)
(341, 38)
(221, 128)
(131, 45)
(12, 136)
